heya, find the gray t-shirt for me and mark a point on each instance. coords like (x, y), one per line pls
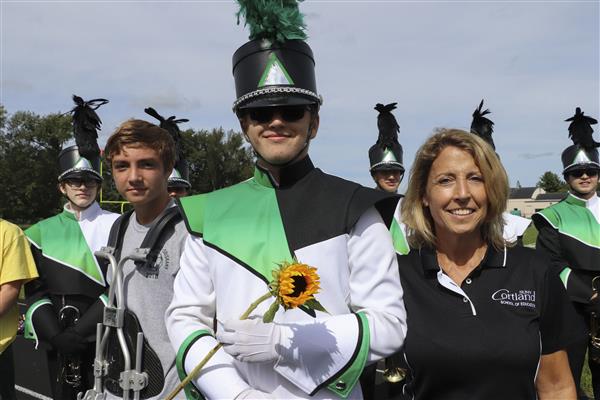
(148, 292)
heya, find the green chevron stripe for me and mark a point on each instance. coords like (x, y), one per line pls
(60, 238)
(253, 234)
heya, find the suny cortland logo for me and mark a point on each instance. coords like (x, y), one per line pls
(519, 298)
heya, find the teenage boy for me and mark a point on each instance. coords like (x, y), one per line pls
(141, 156)
(289, 212)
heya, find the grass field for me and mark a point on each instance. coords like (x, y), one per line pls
(586, 380)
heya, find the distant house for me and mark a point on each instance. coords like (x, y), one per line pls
(529, 200)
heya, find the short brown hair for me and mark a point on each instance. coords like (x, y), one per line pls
(140, 133)
(417, 217)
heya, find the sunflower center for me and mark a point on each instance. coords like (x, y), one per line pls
(299, 283)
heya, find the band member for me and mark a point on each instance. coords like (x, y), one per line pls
(16, 267)
(71, 278)
(569, 234)
(288, 212)
(385, 155)
(487, 320)
(141, 156)
(179, 181)
(387, 170)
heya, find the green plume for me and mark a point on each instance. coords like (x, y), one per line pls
(275, 20)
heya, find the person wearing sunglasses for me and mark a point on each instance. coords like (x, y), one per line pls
(289, 212)
(569, 232)
(64, 301)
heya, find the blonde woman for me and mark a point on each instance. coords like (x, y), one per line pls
(482, 322)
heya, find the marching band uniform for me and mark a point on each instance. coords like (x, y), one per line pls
(387, 155)
(240, 234)
(569, 234)
(71, 278)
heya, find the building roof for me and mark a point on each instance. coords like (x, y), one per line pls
(522, 192)
(551, 196)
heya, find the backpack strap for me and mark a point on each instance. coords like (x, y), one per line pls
(152, 240)
(117, 231)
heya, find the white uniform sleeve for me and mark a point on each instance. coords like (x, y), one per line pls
(332, 351)
(189, 321)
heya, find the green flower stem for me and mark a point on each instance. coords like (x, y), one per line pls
(194, 373)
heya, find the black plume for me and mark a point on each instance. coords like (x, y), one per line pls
(580, 129)
(387, 125)
(85, 126)
(482, 126)
(170, 125)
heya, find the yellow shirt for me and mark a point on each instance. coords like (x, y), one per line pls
(16, 263)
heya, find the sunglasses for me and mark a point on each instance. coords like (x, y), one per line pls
(578, 173)
(75, 182)
(287, 113)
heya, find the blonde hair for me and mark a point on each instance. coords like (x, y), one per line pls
(417, 217)
(140, 133)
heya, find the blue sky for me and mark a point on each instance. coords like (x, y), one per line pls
(532, 61)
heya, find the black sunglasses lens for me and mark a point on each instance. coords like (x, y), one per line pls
(266, 114)
(261, 114)
(293, 113)
(578, 173)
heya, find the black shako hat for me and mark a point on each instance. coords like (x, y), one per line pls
(482, 126)
(83, 159)
(180, 176)
(386, 153)
(583, 153)
(276, 67)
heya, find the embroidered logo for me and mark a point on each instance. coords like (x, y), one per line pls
(519, 298)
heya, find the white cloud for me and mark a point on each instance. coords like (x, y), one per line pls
(533, 62)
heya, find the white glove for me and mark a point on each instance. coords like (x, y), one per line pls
(250, 340)
(253, 394)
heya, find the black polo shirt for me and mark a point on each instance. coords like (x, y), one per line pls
(483, 339)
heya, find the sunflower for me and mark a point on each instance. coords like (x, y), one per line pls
(294, 284)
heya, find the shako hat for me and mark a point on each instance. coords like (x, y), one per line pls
(83, 159)
(180, 176)
(482, 126)
(583, 153)
(276, 67)
(386, 153)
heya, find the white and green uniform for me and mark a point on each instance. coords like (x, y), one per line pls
(63, 247)
(240, 233)
(569, 232)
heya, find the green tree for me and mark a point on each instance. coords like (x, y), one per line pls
(551, 183)
(29, 147)
(217, 159)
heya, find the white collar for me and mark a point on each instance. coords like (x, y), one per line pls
(88, 213)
